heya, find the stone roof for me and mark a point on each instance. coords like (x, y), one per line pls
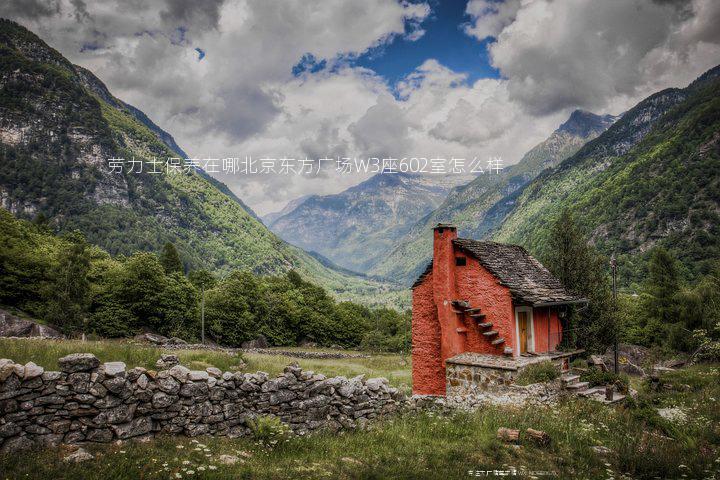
(526, 278)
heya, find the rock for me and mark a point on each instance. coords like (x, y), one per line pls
(167, 361)
(215, 372)
(377, 384)
(163, 400)
(228, 459)
(78, 362)
(198, 375)
(13, 326)
(16, 444)
(282, 396)
(32, 371)
(168, 385)
(179, 372)
(139, 426)
(151, 338)
(99, 435)
(80, 455)
(7, 368)
(177, 341)
(114, 369)
(259, 342)
(631, 359)
(142, 381)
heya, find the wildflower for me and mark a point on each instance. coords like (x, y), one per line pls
(178, 475)
(179, 446)
(186, 462)
(191, 472)
(212, 467)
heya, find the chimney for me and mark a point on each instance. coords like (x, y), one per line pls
(444, 291)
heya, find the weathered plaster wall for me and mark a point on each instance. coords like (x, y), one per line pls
(482, 289)
(90, 402)
(428, 372)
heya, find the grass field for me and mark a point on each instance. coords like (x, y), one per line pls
(395, 368)
(641, 443)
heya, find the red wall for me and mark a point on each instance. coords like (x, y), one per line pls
(482, 289)
(428, 369)
(542, 316)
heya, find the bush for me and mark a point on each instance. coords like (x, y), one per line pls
(269, 430)
(538, 372)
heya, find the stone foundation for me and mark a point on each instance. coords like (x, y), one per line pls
(470, 374)
(90, 402)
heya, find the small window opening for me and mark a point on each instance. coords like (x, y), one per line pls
(460, 261)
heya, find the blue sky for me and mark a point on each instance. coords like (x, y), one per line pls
(443, 40)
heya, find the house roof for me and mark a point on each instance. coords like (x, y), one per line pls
(526, 278)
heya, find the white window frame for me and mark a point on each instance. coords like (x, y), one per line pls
(531, 344)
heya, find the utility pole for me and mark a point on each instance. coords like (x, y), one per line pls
(202, 316)
(613, 266)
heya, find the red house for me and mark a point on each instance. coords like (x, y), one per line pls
(485, 301)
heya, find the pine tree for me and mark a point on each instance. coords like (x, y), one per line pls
(170, 259)
(582, 270)
(69, 296)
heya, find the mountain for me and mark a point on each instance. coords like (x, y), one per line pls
(653, 178)
(269, 218)
(351, 227)
(59, 125)
(480, 206)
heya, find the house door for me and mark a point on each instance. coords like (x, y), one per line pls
(523, 329)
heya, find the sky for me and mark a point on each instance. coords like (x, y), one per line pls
(377, 78)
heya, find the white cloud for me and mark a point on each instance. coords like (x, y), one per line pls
(597, 55)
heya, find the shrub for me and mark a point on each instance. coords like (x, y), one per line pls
(269, 430)
(538, 372)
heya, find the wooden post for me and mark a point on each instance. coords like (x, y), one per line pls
(508, 434)
(609, 393)
(538, 436)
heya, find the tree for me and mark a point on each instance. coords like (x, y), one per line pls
(69, 298)
(663, 286)
(202, 279)
(170, 259)
(582, 270)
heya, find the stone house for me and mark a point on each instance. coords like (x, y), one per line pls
(481, 312)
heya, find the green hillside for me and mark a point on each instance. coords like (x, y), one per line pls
(58, 128)
(480, 206)
(652, 179)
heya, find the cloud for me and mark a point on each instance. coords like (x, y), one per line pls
(596, 55)
(245, 98)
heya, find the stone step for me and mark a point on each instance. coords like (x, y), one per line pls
(478, 316)
(460, 304)
(577, 386)
(491, 333)
(473, 310)
(498, 341)
(485, 325)
(461, 330)
(569, 379)
(508, 351)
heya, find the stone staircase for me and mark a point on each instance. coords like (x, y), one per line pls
(572, 384)
(462, 307)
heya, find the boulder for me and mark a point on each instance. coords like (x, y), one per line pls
(32, 371)
(78, 362)
(79, 455)
(114, 369)
(631, 359)
(152, 338)
(167, 361)
(13, 326)
(259, 342)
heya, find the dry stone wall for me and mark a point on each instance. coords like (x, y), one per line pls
(92, 402)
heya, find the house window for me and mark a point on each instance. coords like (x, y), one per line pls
(460, 261)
